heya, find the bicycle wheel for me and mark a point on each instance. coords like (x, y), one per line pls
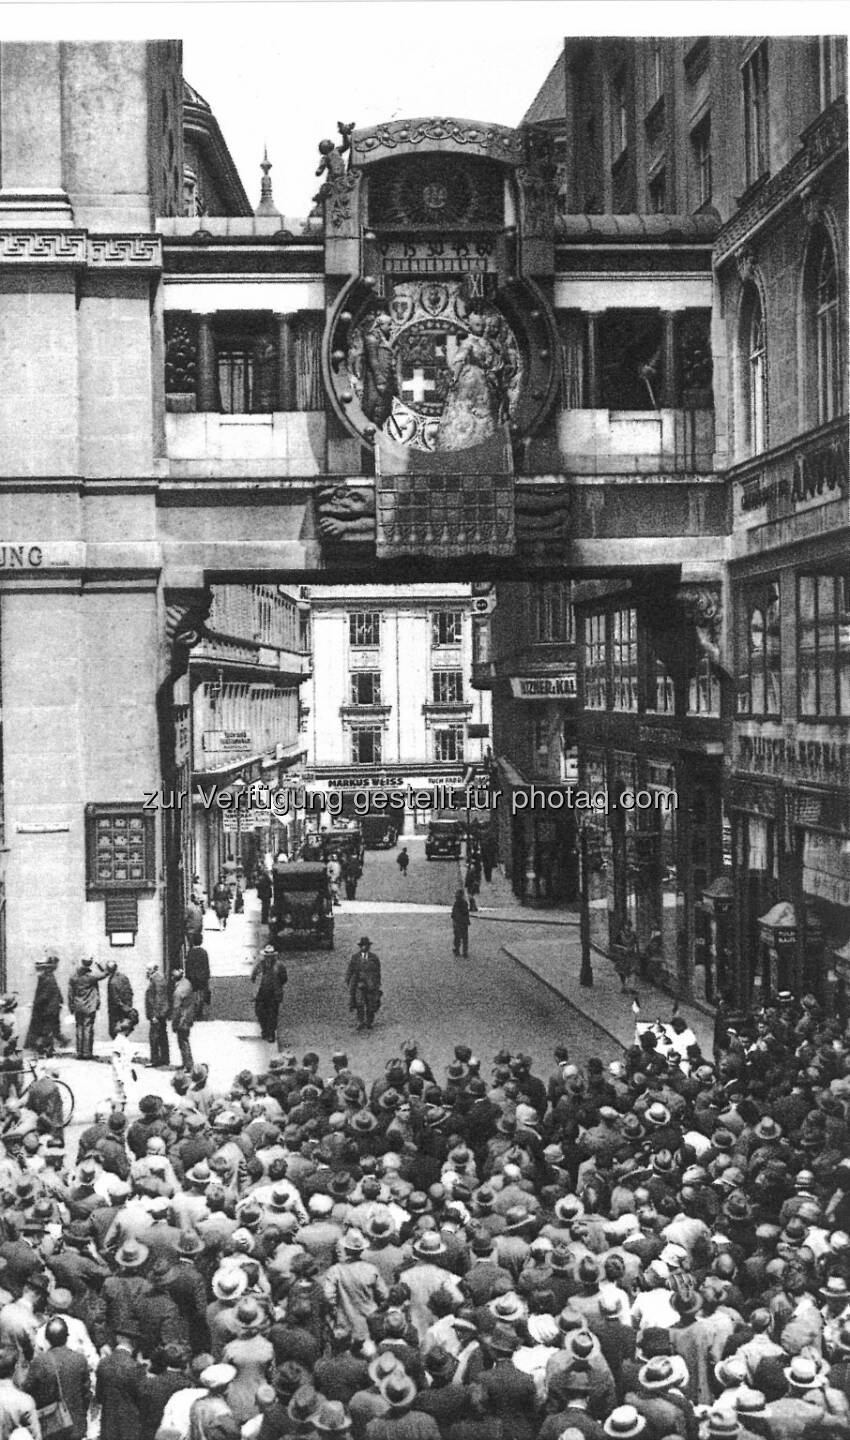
(68, 1101)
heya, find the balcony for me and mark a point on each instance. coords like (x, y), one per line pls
(244, 659)
(278, 443)
(483, 674)
(636, 442)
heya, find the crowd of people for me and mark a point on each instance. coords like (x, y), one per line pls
(656, 1246)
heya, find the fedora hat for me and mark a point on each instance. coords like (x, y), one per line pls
(230, 1284)
(722, 1423)
(331, 1419)
(340, 1185)
(768, 1129)
(303, 1404)
(190, 1243)
(504, 1340)
(249, 1314)
(383, 1366)
(730, 1372)
(131, 1255)
(364, 1122)
(428, 1245)
(398, 1389)
(624, 1423)
(439, 1362)
(659, 1374)
(508, 1308)
(657, 1115)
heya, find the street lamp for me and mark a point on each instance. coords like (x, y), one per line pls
(585, 978)
(238, 787)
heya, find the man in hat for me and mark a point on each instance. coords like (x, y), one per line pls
(460, 925)
(119, 999)
(118, 1386)
(353, 1288)
(197, 971)
(44, 1031)
(156, 1010)
(363, 979)
(183, 1016)
(84, 1003)
(269, 976)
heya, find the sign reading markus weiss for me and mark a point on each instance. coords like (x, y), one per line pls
(544, 687)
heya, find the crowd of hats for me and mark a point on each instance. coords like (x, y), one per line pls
(629, 1245)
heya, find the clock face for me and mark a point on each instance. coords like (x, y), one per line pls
(446, 370)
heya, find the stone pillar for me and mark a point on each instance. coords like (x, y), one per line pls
(285, 362)
(207, 377)
(593, 361)
(670, 389)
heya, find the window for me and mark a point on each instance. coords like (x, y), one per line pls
(827, 332)
(236, 380)
(446, 628)
(701, 162)
(540, 736)
(448, 687)
(629, 358)
(367, 745)
(754, 372)
(624, 654)
(832, 66)
(551, 612)
(658, 192)
(619, 115)
(595, 679)
(823, 644)
(759, 690)
(448, 742)
(364, 628)
(703, 684)
(755, 83)
(656, 72)
(366, 687)
(660, 694)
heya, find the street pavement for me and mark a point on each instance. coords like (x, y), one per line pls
(518, 989)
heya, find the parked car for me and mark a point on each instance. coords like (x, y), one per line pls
(342, 840)
(303, 907)
(380, 832)
(444, 840)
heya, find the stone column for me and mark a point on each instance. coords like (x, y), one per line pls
(592, 398)
(207, 378)
(670, 389)
(285, 362)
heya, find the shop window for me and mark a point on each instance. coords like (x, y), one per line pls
(364, 629)
(630, 359)
(756, 119)
(753, 372)
(366, 687)
(619, 114)
(367, 745)
(701, 162)
(823, 644)
(551, 612)
(595, 661)
(446, 628)
(447, 687)
(624, 654)
(657, 191)
(703, 684)
(822, 368)
(448, 742)
(832, 68)
(759, 692)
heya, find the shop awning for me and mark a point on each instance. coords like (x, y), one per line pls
(781, 916)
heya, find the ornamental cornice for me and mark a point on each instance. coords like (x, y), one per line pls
(821, 142)
(78, 248)
(499, 142)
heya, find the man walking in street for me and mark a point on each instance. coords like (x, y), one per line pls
(156, 1010)
(198, 974)
(403, 860)
(183, 1016)
(84, 1003)
(460, 925)
(363, 978)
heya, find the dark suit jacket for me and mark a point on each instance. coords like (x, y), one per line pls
(118, 1391)
(73, 1384)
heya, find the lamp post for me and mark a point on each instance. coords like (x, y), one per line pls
(585, 978)
(238, 787)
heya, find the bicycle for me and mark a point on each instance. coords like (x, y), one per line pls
(29, 1067)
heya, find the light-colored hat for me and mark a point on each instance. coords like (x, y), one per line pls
(624, 1422)
(218, 1377)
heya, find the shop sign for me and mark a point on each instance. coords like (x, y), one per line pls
(243, 820)
(47, 555)
(817, 474)
(826, 867)
(230, 740)
(825, 761)
(544, 687)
